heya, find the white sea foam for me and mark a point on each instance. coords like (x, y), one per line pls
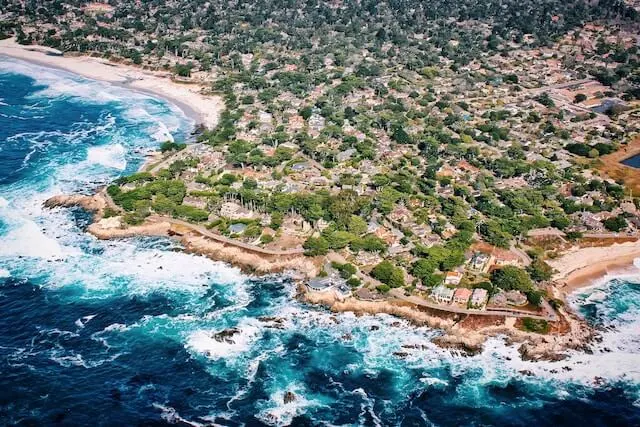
(276, 412)
(205, 343)
(111, 156)
(172, 416)
(61, 83)
(83, 320)
(28, 240)
(4, 273)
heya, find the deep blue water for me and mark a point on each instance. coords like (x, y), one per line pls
(122, 332)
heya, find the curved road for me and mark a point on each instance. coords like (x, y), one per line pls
(203, 231)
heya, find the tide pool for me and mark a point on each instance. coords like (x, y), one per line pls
(128, 332)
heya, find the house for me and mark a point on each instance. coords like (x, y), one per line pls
(343, 291)
(442, 294)
(299, 167)
(480, 261)
(345, 155)
(388, 236)
(195, 202)
(462, 295)
(320, 284)
(366, 294)
(233, 210)
(478, 297)
(452, 278)
(400, 214)
(499, 299)
(502, 258)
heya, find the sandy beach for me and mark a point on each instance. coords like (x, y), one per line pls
(203, 109)
(581, 267)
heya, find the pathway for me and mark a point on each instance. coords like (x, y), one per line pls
(203, 231)
(399, 293)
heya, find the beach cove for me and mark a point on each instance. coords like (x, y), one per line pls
(203, 109)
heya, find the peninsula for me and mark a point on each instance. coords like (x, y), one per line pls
(462, 177)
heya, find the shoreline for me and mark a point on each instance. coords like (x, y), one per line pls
(188, 98)
(576, 269)
(461, 332)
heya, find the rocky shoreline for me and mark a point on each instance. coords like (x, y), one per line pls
(466, 334)
(112, 227)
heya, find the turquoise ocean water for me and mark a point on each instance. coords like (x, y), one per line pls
(124, 332)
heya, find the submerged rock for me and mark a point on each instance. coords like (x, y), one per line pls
(272, 321)
(226, 335)
(289, 397)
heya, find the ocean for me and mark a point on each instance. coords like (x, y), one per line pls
(128, 332)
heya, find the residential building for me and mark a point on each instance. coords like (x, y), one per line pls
(442, 294)
(462, 295)
(479, 297)
(453, 278)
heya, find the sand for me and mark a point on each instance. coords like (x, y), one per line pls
(581, 267)
(204, 109)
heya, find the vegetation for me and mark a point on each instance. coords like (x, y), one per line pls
(379, 130)
(535, 325)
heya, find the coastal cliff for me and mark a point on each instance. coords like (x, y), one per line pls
(464, 333)
(190, 237)
(467, 334)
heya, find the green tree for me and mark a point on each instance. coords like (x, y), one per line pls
(512, 278)
(540, 271)
(388, 274)
(357, 225)
(615, 224)
(580, 97)
(315, 246)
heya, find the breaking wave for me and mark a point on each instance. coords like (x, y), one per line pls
(137, 331)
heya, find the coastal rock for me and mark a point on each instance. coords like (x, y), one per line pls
(95, 203)
(289, 397)
(226, 335)
(530, 353)
(467, 347)
(272, 321)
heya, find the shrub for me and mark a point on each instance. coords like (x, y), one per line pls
(109, 212)
(383, 289)
(266, 238)
(388, 274)
(191, 214)
(171, 146)
(315, 246)
(535, 325)
(354, 282)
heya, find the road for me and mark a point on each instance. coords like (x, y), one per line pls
(554, 232)
(561, 85)
(203, 231)
(399, 294)
(163, 164)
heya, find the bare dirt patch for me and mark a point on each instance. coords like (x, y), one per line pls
(611, 166)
